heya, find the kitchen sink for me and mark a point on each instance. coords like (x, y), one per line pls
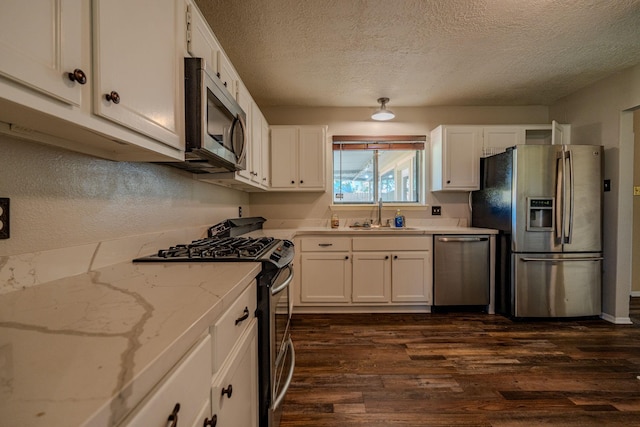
(378, 229)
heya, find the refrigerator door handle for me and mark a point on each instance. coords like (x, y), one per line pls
(569, 218)
(559, 207)
(533, 259)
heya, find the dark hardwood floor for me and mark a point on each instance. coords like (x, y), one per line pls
(462, 369)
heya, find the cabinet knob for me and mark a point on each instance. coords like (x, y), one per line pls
(301, 182)
(395, 257)
(218, 75)
(172, 421)
(113, 96)
(386, 257)
(293, 182)
(210, 422)
(78, 76)
(448, 181)
(347, 257)
(227, 391)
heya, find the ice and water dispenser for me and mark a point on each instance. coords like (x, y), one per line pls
(540, 214)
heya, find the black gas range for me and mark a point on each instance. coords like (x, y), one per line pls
(228, 242)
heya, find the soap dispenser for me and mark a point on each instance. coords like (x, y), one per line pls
(399, 220)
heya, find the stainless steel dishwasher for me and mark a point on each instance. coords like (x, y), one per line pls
(461, 270)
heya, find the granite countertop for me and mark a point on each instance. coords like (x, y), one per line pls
(85, 350)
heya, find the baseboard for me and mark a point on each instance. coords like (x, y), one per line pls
(616, 320)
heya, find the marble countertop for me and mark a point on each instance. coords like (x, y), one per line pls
(417, 230)
(85, 350)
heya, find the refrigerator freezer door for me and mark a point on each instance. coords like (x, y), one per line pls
(583, 203)
(556, 285)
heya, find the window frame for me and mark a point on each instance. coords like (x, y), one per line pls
(377, 142)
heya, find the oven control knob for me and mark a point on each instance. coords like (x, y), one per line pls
(275, 256)
(287, 243)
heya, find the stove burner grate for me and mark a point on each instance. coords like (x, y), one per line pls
(228, 247)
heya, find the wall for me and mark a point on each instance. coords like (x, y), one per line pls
(313, 208)
(61, 199)
(599, 114)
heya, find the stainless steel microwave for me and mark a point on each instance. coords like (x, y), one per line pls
(215, 125)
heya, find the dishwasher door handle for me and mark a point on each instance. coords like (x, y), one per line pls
(462, 239)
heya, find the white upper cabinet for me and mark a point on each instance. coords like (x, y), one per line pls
(40, 45)
(202, 43)
(455, 158)
(298, 158)
(498, 138)
(58, 61)
(456, 149)
(137, 66)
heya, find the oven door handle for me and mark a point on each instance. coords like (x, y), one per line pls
(283, 286)
(278, 400)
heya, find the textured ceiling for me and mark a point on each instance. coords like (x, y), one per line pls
(348, 53)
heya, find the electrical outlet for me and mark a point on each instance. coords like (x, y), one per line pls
(436, 210)
(636, 190)
(4, 218)
(607, 185)
(239, 211)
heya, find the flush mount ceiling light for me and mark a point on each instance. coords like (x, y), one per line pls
(382, 113)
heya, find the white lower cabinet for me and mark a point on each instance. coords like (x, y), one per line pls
(234, 390)
(216, 383)
(185, 391)
(371, 277)
(325, 277)
(411, 277)
(366, 271)
(392, 277)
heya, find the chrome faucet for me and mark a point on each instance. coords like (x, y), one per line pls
(380, 212)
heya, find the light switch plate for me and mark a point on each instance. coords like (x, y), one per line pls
(636, 190)
(4, 218)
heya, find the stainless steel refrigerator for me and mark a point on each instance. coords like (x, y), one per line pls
(546, 200)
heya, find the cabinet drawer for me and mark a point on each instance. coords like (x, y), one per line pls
(325, 244)
(188, 384)
(392, 243)
(232, 324)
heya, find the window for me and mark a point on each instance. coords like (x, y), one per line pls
(367, 168)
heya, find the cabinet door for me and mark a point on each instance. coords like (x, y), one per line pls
(325, 277)
(40, 43)
(311, 157)
(411, 277)
(461, 152)
(265, 153)
(256, 144)
(200, 40)
(140, 64)
(284, 157)
(234, 392)
(371, 277)
(498, 138)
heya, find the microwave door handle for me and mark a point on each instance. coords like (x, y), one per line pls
(239, 121)
(283, 286)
